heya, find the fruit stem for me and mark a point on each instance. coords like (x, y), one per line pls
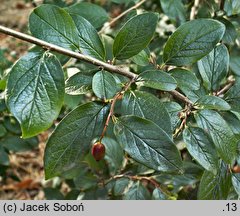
(113, 102)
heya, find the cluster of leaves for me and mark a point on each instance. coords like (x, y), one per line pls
(156, 147)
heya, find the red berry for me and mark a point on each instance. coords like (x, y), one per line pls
(98, 151)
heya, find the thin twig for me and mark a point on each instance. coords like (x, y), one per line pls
(151, 180)
(225, 88)
(52, 47)
(89, 59)
(113, 102)
(107, 25)
(194, 9)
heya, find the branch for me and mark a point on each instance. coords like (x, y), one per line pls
(120, 16)
(194, 9)
(181, 97)
(52, 47)
(89, 59)
(151, 180)
(225, 88)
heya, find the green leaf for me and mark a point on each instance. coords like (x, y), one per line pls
(201, 147)
(142, 58)
(236, 182)
(233, 96)
(104, 85)
(147, 143)
(173, 109)
(53, 194)
(174, 9)
(79, 83)
(230, 34)
(146, 105)
(90, 43)
(158, 80)
(17, 144)
(232, 7)
(137, 192)
(120, 186)
(3, 131)
(185, 78)
(4, 159)
(12, 125)
(158, 195)
(235, 64)
(212, 102)
(215, 187)
(95, 14)
(114, 154)
(220, 133)
(54, 25)
(194, 95)
(85, 180)
(192, 41)
(122, 1)
(232, 121)
(71, 140)
(214, 67)
(135, 35)
(35, 92)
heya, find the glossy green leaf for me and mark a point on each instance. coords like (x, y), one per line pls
(137, 192)
(90, 43)
(194, 95)
(114, 154)
(220, 132)
(214, 67)
(158, 80)
(85, 180)
(142, 58)
(104, 85)
(17, 144)
(233, 121)
(147, 143)
(3, 130)
(4, 159)
(232, 7)
(120, 186)
(174, 110)
(71, 140)
(212, 102)
(158, 195)
(53, 194)
(192, 41)
(79, 83)
(235, 64)
(174, 9)
(95, 14)
(135, 35)
(236, 182)
(185, 78)
(230, 34)
(201, 147)
(147, 106)
(122, 1)
(35, 92)
(215, 187)
(12, 125)
(233, 96)
(54, 25)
